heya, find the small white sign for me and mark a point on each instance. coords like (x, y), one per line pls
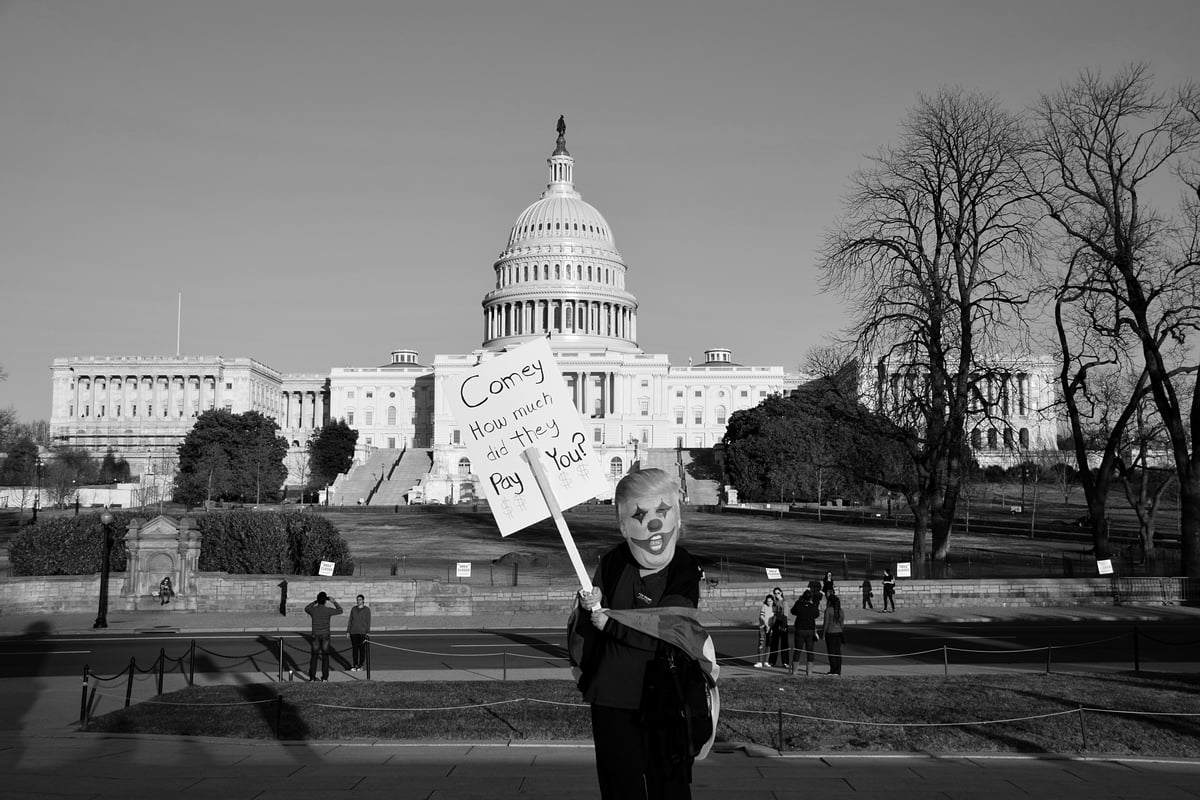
(515, 401)
(773, 574)
(463, 569)
(326, 569)
(904, 569)
(1105, 566)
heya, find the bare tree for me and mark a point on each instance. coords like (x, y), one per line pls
(936, 237)
(1101, 146)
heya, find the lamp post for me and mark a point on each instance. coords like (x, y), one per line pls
(37, 497)
(106, 519)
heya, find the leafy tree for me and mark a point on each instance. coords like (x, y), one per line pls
(114, 469)
(330, 453)
(19, 468)
(938, 233)
(227, 456)
(1101, 146)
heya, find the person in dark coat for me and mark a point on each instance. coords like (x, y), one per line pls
(648, 570)
(358, 627)
(806, 614)
(834, 631)
(868, 592)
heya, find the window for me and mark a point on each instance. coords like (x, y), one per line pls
(369, 417)
(679, 392)
(87, 410)
(149, 410)
(391, 442)
(370, 395)
(645, 436)
(228, 385)
(698, 415)
(616, 467)
(456, 436)
(679, 416)
(464, 466)
(976, 439)
(679, 441)
(645, 383)
(644, 404)
(391, 415)
(762, 392)
(697, 393)
(992, 439)
(1023, 438)
(349, 417)
(699, 441)
(598, 435)
(720, 415)
(349, 394)
(744, 393)
(369, 442)
(71, 410)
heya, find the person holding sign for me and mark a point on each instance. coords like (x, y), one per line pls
(642, 660)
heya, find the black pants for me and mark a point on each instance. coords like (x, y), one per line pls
(833, 644)
(806, 640)
(779, 646)
(320, 645)
(358, 648)
(627, 762)
(889, 599)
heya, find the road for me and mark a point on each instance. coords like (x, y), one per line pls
(1081, 645)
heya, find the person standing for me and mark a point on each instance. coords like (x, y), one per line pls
(805, 612)
(358, 626)
(834, 632)
(868, 592)
(889, 592)
(644, 594)
(827, 584)
(321, 614)
(766, 613)
(780, 651)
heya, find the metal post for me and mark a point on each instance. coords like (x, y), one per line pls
(162, 662)
(945, 661)
(83, 697)
(280, 678)
(192, 665)
(1083, 729)
(780, 724)
(106, 519)
(367, 655)
(1049, 650)
(129, 683)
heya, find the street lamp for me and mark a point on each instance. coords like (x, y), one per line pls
(37, 497)
(106, 520)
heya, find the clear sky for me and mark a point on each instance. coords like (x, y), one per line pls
(327, 181)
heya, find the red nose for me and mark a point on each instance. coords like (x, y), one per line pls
(654, 526)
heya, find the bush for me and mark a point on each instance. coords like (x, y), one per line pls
(68, 546)
(242, 543)
(237, 542)
(312, 539)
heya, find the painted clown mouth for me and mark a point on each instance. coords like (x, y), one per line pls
(656, 544)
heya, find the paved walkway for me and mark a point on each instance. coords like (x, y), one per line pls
(42, 755)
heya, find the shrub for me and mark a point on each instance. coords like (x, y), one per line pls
(237, 542)
(312, 539)
(242, 543)
(68, 546)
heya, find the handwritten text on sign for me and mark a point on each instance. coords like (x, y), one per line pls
(515, 401)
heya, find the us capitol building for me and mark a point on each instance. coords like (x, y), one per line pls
(559, 276)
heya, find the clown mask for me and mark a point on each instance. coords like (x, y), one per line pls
(650, 523)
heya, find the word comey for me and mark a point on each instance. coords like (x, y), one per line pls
(474, 396)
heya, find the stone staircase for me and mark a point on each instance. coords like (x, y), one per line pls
(360, 482)
(701, 484)
(408, 472)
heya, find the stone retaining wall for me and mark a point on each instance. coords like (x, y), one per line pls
(218, 591)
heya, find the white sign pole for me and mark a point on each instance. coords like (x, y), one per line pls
(532, 456)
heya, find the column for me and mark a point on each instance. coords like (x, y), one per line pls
(319, 413)
(583, 386)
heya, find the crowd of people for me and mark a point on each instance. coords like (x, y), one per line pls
(810, 623)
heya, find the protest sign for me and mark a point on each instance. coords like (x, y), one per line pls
(526, 440)
(773, 574)
(326, 569)
(904, 569)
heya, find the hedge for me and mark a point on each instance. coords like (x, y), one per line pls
(238, 542)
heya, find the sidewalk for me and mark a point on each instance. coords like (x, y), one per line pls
(43, 756)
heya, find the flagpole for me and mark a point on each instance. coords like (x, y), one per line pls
(178, 322)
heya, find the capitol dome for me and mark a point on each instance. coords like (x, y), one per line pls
(560, 273)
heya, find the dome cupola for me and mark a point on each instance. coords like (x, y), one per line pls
(560, 273)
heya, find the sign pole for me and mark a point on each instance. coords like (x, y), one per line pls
(531, 455)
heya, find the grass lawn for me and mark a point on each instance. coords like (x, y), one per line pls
(973, 713)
